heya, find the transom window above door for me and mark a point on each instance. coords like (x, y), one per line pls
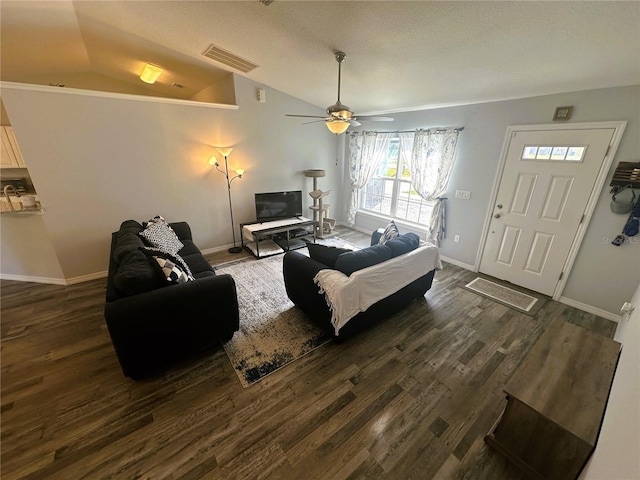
(554, 153)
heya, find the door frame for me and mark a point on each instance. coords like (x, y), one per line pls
(618, 126)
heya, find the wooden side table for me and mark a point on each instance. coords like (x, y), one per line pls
(556, 401)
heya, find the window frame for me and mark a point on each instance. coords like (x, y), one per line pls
(396, 192)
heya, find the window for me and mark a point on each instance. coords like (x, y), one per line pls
(554, 153)
(391, 193)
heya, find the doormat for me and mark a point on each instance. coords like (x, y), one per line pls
(520, 301)
(273, 332)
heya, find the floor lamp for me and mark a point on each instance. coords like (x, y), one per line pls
(225, 152)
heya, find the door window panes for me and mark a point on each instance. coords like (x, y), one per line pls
(559, 153)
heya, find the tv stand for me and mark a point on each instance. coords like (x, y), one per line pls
(264, 239)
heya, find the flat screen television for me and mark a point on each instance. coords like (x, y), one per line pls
(278, 205)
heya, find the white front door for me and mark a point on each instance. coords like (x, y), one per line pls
(548, 178)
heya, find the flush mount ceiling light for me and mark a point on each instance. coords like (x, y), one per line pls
(150, 73)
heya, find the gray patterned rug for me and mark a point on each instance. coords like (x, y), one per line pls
(273, 333)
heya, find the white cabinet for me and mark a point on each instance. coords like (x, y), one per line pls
(11, 156)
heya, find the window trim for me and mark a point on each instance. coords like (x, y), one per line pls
(395, 195)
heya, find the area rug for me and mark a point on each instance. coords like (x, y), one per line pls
(523, 302)
(273, 333)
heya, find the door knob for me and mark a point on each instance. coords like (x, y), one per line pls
(499, 205)
(497, 215)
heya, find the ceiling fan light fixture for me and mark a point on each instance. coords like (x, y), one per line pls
(150, 73)
(339, 117)
(337, 126)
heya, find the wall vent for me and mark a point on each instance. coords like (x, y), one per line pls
(229, 59)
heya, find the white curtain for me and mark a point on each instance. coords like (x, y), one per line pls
(366, 151)
(430, 159)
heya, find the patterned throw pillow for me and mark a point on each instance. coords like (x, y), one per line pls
(159, 234)
(391, 231)
(155, 254)
(156, 219)
(170, 272)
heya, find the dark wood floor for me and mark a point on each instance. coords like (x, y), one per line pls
(411, 398)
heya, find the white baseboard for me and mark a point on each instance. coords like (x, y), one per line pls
(86, 278)
(567, 301)
(590, 309)
(54, 281)
(207, 251)
(356, 228)
(25, 278)
(457, 263)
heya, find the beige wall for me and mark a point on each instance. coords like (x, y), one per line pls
(99, 160)
(27, 252)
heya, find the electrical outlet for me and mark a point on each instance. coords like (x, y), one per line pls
(456, 238)
(463, 194)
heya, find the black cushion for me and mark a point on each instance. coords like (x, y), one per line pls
(325, 254)
(189, 249)
(127, 240)
(403, 244)
(130, 226)
(136, 274)
(197, 263)
(206, 273)
(351, 262)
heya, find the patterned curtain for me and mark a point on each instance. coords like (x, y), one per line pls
(366, 150)
(430, 159)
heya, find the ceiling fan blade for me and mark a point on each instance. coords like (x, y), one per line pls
(304, 116)
(313, 121)
(375, 118)
(354, 123)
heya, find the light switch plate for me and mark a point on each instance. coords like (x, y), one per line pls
(463, 194)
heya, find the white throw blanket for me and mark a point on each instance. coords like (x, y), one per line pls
(348, 296)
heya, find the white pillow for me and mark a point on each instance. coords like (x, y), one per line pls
(161, 235)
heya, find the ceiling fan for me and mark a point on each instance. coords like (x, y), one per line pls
(340, 117)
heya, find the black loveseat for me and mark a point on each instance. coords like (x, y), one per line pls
(299, 272)
(153, 324)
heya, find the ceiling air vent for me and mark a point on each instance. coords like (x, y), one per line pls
(231, 60)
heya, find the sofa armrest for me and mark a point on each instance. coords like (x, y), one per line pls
(375, 236)
(153, 329)
(299, 272)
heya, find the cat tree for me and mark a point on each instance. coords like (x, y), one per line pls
(319, 208)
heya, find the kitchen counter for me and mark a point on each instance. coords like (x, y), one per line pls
(16, 207)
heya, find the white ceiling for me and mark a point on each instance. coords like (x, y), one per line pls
(400, 55)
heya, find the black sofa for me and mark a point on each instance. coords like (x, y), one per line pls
(153, 324)
(299, 272)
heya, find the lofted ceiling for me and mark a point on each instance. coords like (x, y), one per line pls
(400, 55)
